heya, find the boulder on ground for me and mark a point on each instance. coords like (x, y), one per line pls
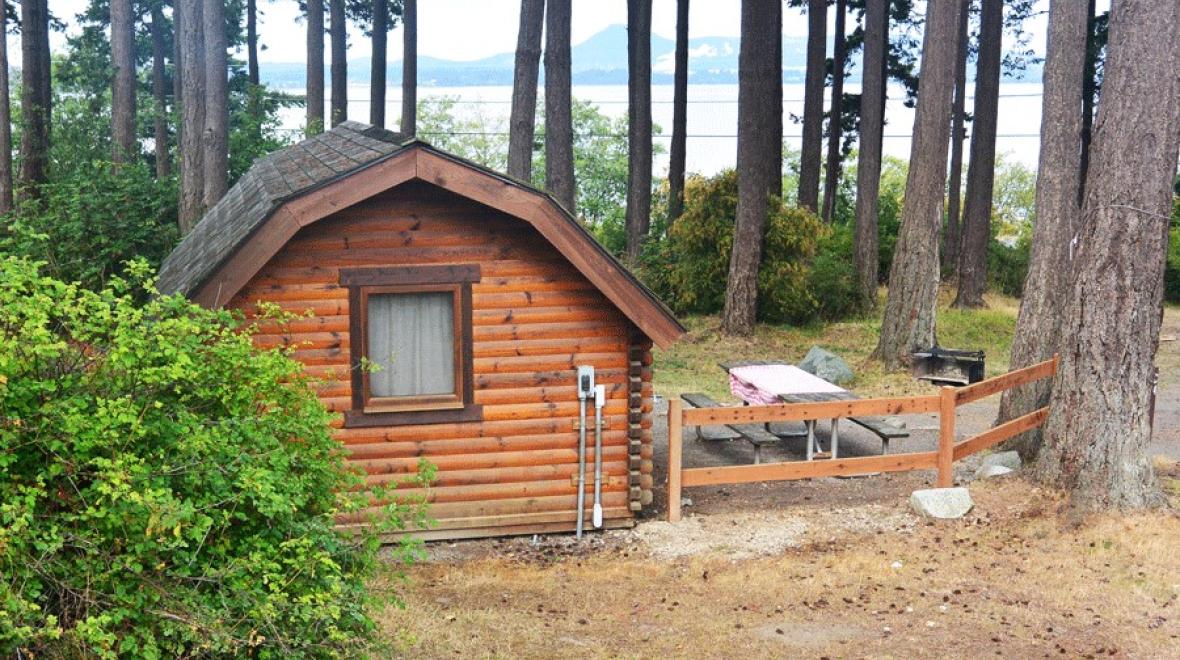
(826, 365)
(989, 471)
(1008, 459)
(942, 502)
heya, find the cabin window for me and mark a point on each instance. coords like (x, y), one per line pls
(410, 344)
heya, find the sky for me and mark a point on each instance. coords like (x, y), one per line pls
(472, 29)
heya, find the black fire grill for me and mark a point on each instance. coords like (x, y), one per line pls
(948, 366)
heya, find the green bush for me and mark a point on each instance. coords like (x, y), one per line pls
(166, 489)
(1172, 268)
(694, 264)
(1007, 265)
(833, 278)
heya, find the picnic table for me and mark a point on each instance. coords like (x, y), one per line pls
(768, 382)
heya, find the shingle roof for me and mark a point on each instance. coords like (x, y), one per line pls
(268, 184)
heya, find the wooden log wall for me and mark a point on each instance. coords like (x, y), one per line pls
(535, 318)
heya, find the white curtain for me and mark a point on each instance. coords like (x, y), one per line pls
(412, 337)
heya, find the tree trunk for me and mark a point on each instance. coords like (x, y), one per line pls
(813, 104)
(638, 125)
(911, 306)
(836, 114)
(559, 127)
(1089, 96)
(1096, 436)
(379, 62)
(123, 143)
(950, 238)
(159, 94)
(981, 169)
(5, 123)
(868, 168)
(315, 66)
(523, 123)
(35, 97)
(192, 113)
(338, 35)
(254, 91)
(678, 151)
(759, 156)
(1038, 328)
(409, 125)
(216, 135)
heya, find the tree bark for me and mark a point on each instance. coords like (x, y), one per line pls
(678, 152)
(638, 219)
(338, 35)
(379, 63)
(192, 113)
(813, 105)
(315, 66)
(1089, 96)
(759, 156)
(254, 91)
(216, 135)
(950, 238)
(523, 122)
(559, 127)
(159, 94)
(409, 125)
(5, 123)
(1046, 289)
(1096, 436)
(910, 309)
(123, 143)
(836, 114)
(868, 168)
(36, 100)
(981, 170)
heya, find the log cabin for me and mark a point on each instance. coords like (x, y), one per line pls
(476, 296)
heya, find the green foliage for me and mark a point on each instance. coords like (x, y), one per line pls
(474, 136)
(832, 279)
(92, 218)
(166, 489)
(1172, 267)
(1007, 264)
(892, 193)
(693, 264)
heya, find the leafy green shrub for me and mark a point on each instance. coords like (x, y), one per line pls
(1007, 265)
(696, 258)
(166, 489)
(833, 279)
(91, 219)
(1172, 268)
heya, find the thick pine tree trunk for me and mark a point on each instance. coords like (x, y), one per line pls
(216, 135)
(160, 94)
(124, 146)
(315, 66)
(559, 127)
(813, 105)
(981, 170)
(5, 123)
(523, 123)
(910, 309)
(950, 238)
(759, 156)
(1046, 290)
(379, 61)
(338, 36)
(677, 153)
(192, 113)
(868, 168)
(638, 125)
(836, 114)
(1096, 437)
(36, 99)
(409, 123)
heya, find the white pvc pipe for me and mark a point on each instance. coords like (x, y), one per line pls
(599, 402)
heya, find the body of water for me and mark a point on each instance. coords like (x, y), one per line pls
(712, 117)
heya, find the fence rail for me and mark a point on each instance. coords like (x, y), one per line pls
(945, 403)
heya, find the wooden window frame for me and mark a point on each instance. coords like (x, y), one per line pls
(368, 411)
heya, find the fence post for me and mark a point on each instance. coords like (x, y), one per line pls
(675, 438)
(946, 437)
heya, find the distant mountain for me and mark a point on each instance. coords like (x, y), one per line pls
(600, 60)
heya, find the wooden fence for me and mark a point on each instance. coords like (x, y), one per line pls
(944, 403)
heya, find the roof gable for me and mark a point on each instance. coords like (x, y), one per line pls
(307, 182)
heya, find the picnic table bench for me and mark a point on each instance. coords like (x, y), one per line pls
(756, 434)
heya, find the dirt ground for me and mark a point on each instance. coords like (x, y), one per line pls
(823, 568)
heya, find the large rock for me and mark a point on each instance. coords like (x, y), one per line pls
(826, 365)
(1008, 459)
(942, 502)
(989, 471)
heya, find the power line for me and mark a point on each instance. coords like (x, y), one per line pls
(663, 136)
